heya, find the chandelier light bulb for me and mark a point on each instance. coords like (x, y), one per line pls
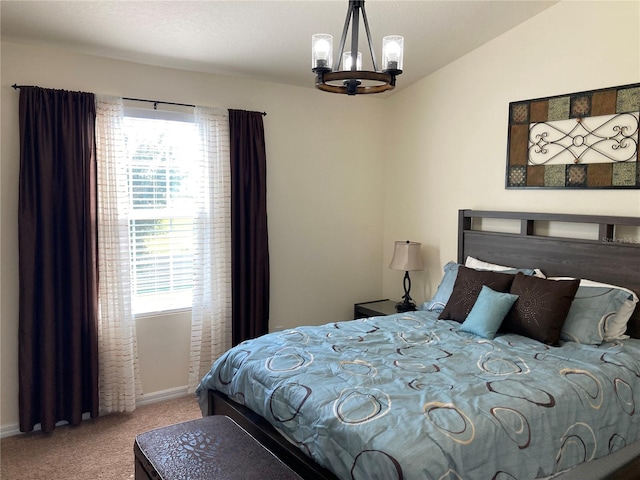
(322, 48)
(393, 51)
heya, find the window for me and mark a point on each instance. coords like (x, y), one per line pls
(161, 180)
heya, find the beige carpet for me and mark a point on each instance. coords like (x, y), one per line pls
(97, 449)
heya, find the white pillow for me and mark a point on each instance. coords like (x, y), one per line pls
(472, 262)
(617, 326)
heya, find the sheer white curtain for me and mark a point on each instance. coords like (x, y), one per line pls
(211, 309)
(117, 349)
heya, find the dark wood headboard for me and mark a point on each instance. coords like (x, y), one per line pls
(607, 258)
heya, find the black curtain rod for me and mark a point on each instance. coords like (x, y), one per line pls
(155, 102)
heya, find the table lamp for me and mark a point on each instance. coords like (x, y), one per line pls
(406, 256)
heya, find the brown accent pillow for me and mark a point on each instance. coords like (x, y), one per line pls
(541, 309)
(467, 288)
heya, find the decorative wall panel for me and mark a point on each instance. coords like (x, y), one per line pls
(581, 140)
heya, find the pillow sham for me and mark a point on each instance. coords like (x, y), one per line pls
(440, 299)
(541, 308)
(599, 312)
(616, 329)
(591, 310)
(473, 262)
(487, 313)
(467, 288)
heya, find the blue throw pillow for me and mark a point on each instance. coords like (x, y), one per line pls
(488, 312)
(440, 299)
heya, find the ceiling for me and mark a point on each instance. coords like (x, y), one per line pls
(267, 39)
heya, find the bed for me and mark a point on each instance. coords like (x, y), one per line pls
(414, 395)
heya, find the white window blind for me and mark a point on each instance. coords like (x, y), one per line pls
(162, 159)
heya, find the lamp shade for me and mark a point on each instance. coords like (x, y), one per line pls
(406, 256)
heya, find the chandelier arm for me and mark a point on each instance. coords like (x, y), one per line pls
(343, 37)
(355, 24)
(366, 29)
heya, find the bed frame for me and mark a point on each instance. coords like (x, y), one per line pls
(607, 258)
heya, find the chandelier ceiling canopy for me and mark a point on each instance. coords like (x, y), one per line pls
(351, 79)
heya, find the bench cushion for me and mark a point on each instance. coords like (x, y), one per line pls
(212, 447)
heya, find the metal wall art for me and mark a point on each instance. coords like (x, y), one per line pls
(580, 140)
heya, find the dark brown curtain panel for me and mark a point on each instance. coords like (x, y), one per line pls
(58, 333)
(250, 246)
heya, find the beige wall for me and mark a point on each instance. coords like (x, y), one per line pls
(349, 176)
(451, 128)
(324, 194)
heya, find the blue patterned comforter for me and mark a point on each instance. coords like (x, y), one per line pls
(409, 396)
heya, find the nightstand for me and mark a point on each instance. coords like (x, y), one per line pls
(374, 309)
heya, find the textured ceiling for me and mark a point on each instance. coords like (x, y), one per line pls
(269, 39)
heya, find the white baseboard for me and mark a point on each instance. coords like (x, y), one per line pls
(162, 395)
(145, 399)
(9, 430)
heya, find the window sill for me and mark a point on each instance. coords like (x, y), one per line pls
(161, 313)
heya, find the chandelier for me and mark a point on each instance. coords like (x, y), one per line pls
(352, 79)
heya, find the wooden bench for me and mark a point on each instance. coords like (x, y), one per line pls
(212, 447)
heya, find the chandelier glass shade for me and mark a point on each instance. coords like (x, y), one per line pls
(352, 80)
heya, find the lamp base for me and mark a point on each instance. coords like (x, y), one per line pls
(405, 306)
